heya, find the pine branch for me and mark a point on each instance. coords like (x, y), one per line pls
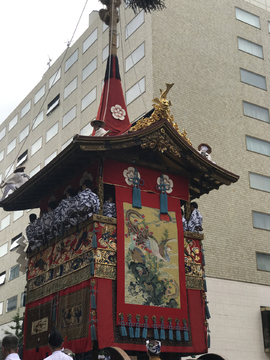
(146, 5)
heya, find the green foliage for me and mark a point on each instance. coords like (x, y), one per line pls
(17, 319)
(146, 5)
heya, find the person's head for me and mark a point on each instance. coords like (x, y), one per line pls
(32, 217)
(70, 192)
(87, 184)
(9, 345)
(55, 340)
(193, 205)
(109, 197)
(153, 347)
(52, 205)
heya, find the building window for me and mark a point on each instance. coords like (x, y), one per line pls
(13, 122)
(247, 17)
(265, 314)
(253, 79)
(53, 79)
(11, 146)
(39, 94)
(89, 98)
(25, 109)
(24, 133)
(52, 132)
(257, 145)
(17, 214)
(49, 158)
(2, 278)
(86, 130)
(38, 120)
(14, 241)
(263, 261)
(53, 104)
(36, 146)
(69, 116)
(90, 40)
(5, 222)
(135, 23)
(34, 171)
(104, 27)
(1, 155)
(71, 60)
(13, 272)
(135, 91)
(134, 57)
(256, 112)
(23, 297)
(259, 182)
(250, 47)
(22, 158)
(89, 69)
(3, 249)
(2, 133)
(12, 303)
(70, 87)
(1, 307)
(261, 220)
(9, 170)
(105, 53)
(66, 143)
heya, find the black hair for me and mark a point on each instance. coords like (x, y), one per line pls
(32, 217)
(194, 204)
(52, 205)
(88, 183)
(10, 342)
(71, 192)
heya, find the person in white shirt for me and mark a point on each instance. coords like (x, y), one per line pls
(10, 347)
(98, 126)
(15, 181)
(55, 344)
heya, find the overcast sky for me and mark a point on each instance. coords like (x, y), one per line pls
(31, 32)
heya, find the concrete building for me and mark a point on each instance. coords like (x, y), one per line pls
(218, 55)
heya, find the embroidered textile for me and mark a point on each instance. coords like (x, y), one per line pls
(195, 221)
(109, 209)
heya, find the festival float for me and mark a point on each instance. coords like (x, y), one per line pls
(115, 282)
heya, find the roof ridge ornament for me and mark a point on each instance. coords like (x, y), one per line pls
(162, 111)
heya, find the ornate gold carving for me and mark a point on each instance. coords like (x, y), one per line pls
(194, 282)
(162, 111)
(192, 235)
(162, 142)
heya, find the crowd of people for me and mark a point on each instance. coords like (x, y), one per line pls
(72, 210)
(195, 221)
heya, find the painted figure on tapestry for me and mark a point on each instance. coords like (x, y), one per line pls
(151, 258)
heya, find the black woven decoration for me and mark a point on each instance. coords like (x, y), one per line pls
(146, 5)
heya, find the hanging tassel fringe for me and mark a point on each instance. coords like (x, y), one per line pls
(203, 259)
(207, 312)
(162, 331)
(137, 330)
(93, 328)
(170, 329)
(163, 195)
(130, 326)
(208, 338)
(177, 327)
(204, 284)
(123, 327)
(156, 336)
(186, 335)
(145, 326)
(94, 238)
(93, 295)
(136, 192)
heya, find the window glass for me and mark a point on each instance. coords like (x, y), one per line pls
(13, 272)
(2, 133)
(70, 87)
(36, 146)
(17, 214)
(39, 94)
(263, 262)
(66, 144)
(25, 109)
(91, 67)
(90, 40)
(34, 171)
(13, 122)
(261, 221)
(256, 112)
(71, 60)
(251, 78)
(38, 120)
(22, 158)
(134, 24)
(23, 297)
(258, 145)
(14, 241)
(9, 170)
(2, 278)
(86, 130)
(49, 158)
(53, 104)
(69, 116)
(250, 47)
(105, 53)
(3, 249)
(52, 132)
(1, 308)
(11, 146)
(135, 91)
(247, 17)
(259, 182)
(5, 222)
(1, 155)
(134, 57)
(24, 133)
(53, 79)
(89, 98)
(12, 303)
